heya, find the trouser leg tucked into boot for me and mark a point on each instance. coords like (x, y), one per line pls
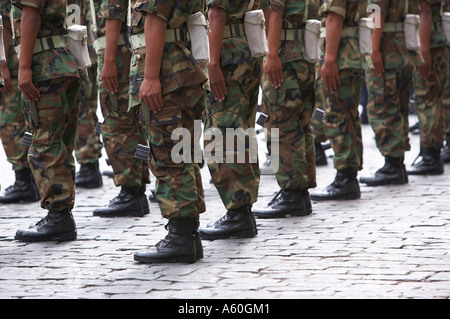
(392, 173)
(23, 190)
(131, 201)
(238, 222)
(344, 187)
(180, 244)
(56, 226)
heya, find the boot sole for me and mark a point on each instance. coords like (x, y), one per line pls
(434, 172)
(343, 197)
(384, 183)
(133, 213)
(243, 234)
(178, 259)
(282, 215)
(60, 237)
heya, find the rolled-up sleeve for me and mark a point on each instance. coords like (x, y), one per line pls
(223, 4)
(115, 9)
(338, 7)
(160, 8)
(38, 4)
(278, 6)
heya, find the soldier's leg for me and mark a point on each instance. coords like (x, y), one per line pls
(51, 160)
(288, 128)
(343, 128)
(446, 112)
(13, 126)
(88, 148)
(317, 126)
(235, 177)
(388, 111)
(428, 94)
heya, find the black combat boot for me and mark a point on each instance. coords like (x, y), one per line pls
(23, 190)
(321, 157)
(131, 201)
(56, 226)
(178, 246)
(89, 176)
(285, 202)
(431, 163)
(392, 173)
(344, 187)
(445, 154)
(238, 222)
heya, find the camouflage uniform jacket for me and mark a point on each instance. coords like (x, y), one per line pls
(6, 10)
(235, 14)
(112, 9)
(352, 11)
(295, 13)
(438, 38)
(59, 62)
(393, 49)
(178, 69)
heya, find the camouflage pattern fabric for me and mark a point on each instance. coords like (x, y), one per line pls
(446, 106)
(121, 130)
(236, 182)
(317, 125)
(13, 124)
(179, 189)
(388, 109)
(56, 77)
(341, 119)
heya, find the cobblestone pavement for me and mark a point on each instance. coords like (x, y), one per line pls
(392, 243)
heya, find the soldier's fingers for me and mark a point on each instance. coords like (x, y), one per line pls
(279, 78)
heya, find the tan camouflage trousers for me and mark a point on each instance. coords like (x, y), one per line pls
(13, 126)
(318, 128)
(179, 188)
(51, 152)
(88, 148)
(388, 109)
(236, 181)
(342, 123)
(290, 110)
(429, 95)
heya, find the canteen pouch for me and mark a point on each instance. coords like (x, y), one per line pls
(198, 33)
(446, 25)
(312, 40)
(2, 44)
(255, 30)
(411, 29)
(366, 27)
(78, 46)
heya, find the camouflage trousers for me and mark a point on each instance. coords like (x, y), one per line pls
(121, 130)
(88, 148)
(446, 106)
(290, 110)
(51, 151)
(317, 125)
(429, 94)
(237, 181)
(179, 188)
(388, 109)
(13, 126)
(342, 123)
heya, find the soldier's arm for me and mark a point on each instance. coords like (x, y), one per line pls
(217, 19)
(155, 34)
(377, 58)
(7, 35)
(29, 28)
(426, 17)
(273, 66)
(330, 72)
(109, 70)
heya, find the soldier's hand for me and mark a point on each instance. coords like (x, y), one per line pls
(377, 61)
(150, 94)
(330, 75)
(26, 84)
(425, 69)
(109, 77)
(274, 70)
(217, 82)
(7, 79)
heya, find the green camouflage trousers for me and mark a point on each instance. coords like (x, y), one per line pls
(88, 148)
(429, 94)
(237, 181)
(446, 104)
(179, 188)
(318, 128)
(51, 151)
(289, 110)
(121, 130)
(388, 109)
(13, 125)
(341, 120)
